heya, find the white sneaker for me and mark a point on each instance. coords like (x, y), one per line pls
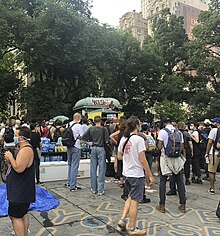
(102, 193)
(13, 232)
(211, 191)
(94, 192)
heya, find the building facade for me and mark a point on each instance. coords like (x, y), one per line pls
(135, 24)
(189, 9)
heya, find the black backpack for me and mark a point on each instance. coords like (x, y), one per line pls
(8, 135)
(57, 134)
(203, 140)
(68, 137)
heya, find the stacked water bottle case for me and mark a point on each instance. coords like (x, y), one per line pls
(53, 151)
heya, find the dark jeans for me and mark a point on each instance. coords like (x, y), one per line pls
(195, 165)
(180, 187)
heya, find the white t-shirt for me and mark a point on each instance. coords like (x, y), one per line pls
(77, 132)
(131, 164)
(163, 135)
(212, 136)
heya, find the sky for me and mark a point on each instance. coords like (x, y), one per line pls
(109, 11)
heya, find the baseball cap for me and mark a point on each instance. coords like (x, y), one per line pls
(216, 120)
(165, 120)
(50, 122)
(207, 122)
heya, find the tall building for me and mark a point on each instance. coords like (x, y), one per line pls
(189, 9)
(135, 24)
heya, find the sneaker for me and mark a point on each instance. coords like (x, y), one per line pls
(182, 208)
(170, 193)
(147, 187)
(137, 231)
(40, 183)
(187, 182)
(66, 185)
(124, 197)
(122, 224)
(102, 193)
(94, 192)
(13, 232)
(211, 191)
(161, 208)
(75, 189)
(144, 200)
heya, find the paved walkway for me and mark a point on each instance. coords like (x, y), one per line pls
(83, 213)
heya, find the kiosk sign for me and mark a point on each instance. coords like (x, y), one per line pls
(100, 102)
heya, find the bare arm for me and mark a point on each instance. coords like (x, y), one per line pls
(218, 145)
(191, 146)
(160, 144)
(196, 139)
(113, 135)
(120, 156)
(23, 160)
(209, 145)
(183, 150)
(146, 167)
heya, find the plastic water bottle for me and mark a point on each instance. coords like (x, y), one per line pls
(207, 159)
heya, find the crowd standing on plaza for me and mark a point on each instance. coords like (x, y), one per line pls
(172, 145)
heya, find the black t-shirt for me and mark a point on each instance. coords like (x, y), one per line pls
(35, 140)
(21, 186)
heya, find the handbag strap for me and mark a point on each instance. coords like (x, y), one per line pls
(123, 149)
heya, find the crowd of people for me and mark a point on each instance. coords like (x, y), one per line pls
(172, 145)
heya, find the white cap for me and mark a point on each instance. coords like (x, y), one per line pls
(207, 122)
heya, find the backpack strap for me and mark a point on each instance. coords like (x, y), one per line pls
(214, 148)
(123, 149)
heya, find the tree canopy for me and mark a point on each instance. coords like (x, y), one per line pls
(67, 55)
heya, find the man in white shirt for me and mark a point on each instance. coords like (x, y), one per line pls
(132, 151)
(74, 153)
(175, 165)
(212, 154)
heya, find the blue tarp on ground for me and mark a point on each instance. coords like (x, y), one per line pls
(44, 201)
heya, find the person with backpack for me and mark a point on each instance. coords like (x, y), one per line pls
(197, 153)
(57, 131)
(7, 136)
(170, 143)
(71, 138)
(187, 152)
(49, 129)
(212, 152)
